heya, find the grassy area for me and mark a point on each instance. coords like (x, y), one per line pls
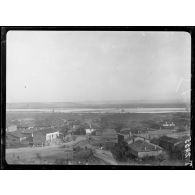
(115, 120)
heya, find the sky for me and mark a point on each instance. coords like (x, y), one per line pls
(75, 66)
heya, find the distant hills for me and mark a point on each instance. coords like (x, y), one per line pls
(102, 104)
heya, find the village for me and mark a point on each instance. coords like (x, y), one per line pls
(72, 139)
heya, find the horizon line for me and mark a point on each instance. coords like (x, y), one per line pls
(107, 101)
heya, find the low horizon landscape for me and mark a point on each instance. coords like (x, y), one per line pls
(92, 137)
(101, 104)
(98, 98)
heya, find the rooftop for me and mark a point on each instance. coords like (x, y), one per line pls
(142, 146)
(108, 132)
(45, 131)
(125, 129)
(125, 132)
(16, 134)
(169, 139)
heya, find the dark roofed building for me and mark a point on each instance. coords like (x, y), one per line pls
(179, 151)
(17, 138)
(168, 143)
(143, 149)
(11, 139)
(135, 138)
(18, 134)
(125, 129)
(110, 135)
(28, 131)
(124, 135)
(121, 138)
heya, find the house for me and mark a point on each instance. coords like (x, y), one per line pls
(41, 127)
(45, 137)
(110, 135)
(11, 139)
(11, 128)
(21, 137)
(168, 125)
(136, 138)
(141, 149)
(134, 130)
(124, 135)
(179, 151)
(24, 127)
(72, 122)
(89, 131)
(109, 138)
(168, 143)
(125, 130)
(106, 138)
(121, 138)
(54, 138)
(17, 138)
(51, 136)
(75, 127)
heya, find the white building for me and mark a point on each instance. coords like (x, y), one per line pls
(168, 124)
(52, 136)
(89, 131)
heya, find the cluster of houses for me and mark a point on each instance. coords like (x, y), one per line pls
(139, 146)
(33, 138)
(166, 124)
(26, 133)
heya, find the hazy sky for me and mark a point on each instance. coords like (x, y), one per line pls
(96, 66)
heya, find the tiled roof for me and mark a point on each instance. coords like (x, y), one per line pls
(16, 134)
(45, 131)
(125, 132)
(108, 132)
(142, 146)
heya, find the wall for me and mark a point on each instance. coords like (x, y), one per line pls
(51, 136)
(149, 153)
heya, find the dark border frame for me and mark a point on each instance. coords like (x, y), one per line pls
(4, 30)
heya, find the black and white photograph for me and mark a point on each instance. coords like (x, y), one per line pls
(98, 98)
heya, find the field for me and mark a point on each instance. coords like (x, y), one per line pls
(46, 155)
(111, 120)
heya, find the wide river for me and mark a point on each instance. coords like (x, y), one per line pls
(106, 110)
